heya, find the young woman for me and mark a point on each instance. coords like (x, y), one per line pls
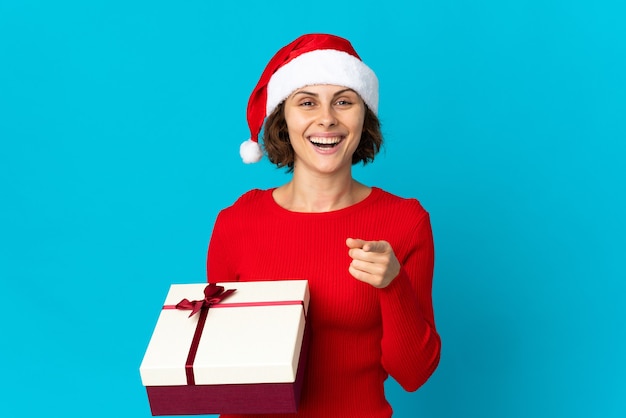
(367, 254)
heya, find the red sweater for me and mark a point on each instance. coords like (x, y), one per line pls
(359, 334)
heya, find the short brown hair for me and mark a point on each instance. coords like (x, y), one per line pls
(280, 152)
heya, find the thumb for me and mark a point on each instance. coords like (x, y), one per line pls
(375, 246)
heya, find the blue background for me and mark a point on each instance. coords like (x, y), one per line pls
(120, 124)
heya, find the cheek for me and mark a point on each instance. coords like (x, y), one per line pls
(293, 132)
(358, 128)
(295, 125)
(359, 122)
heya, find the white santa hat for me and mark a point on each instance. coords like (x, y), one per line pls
(310, 59)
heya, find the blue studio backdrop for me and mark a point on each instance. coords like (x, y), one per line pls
(120, 124)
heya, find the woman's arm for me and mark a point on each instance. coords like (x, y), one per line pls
(411, 345)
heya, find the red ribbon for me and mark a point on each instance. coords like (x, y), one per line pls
(213, 294)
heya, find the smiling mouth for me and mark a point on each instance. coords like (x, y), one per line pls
(325, 143)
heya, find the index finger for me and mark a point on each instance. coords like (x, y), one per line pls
(355, 243)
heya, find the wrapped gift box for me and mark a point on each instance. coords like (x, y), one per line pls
(244, 354)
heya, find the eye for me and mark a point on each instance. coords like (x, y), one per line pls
(344, 102)
(306, 102)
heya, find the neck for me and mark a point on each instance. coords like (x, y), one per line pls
(320, 194)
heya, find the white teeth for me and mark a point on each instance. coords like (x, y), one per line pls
(325, 141)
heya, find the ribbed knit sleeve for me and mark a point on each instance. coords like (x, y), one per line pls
(219, 264)
(231, 238)
(410, 343)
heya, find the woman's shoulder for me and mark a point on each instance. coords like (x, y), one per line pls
(249, 202)
(253, 196)
(406, 219)
(394, 203)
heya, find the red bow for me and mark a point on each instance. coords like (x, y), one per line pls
(213, 294)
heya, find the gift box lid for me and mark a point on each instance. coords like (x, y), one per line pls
(253, 336)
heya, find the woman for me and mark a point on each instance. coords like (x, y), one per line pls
(367, 254)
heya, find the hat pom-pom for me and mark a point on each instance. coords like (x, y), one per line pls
(250, 151)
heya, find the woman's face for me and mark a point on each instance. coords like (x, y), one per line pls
(325, 124)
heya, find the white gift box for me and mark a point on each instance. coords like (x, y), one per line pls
(244, 354)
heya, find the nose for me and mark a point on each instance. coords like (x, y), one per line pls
(327, 116)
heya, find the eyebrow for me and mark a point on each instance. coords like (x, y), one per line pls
(310, 93)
